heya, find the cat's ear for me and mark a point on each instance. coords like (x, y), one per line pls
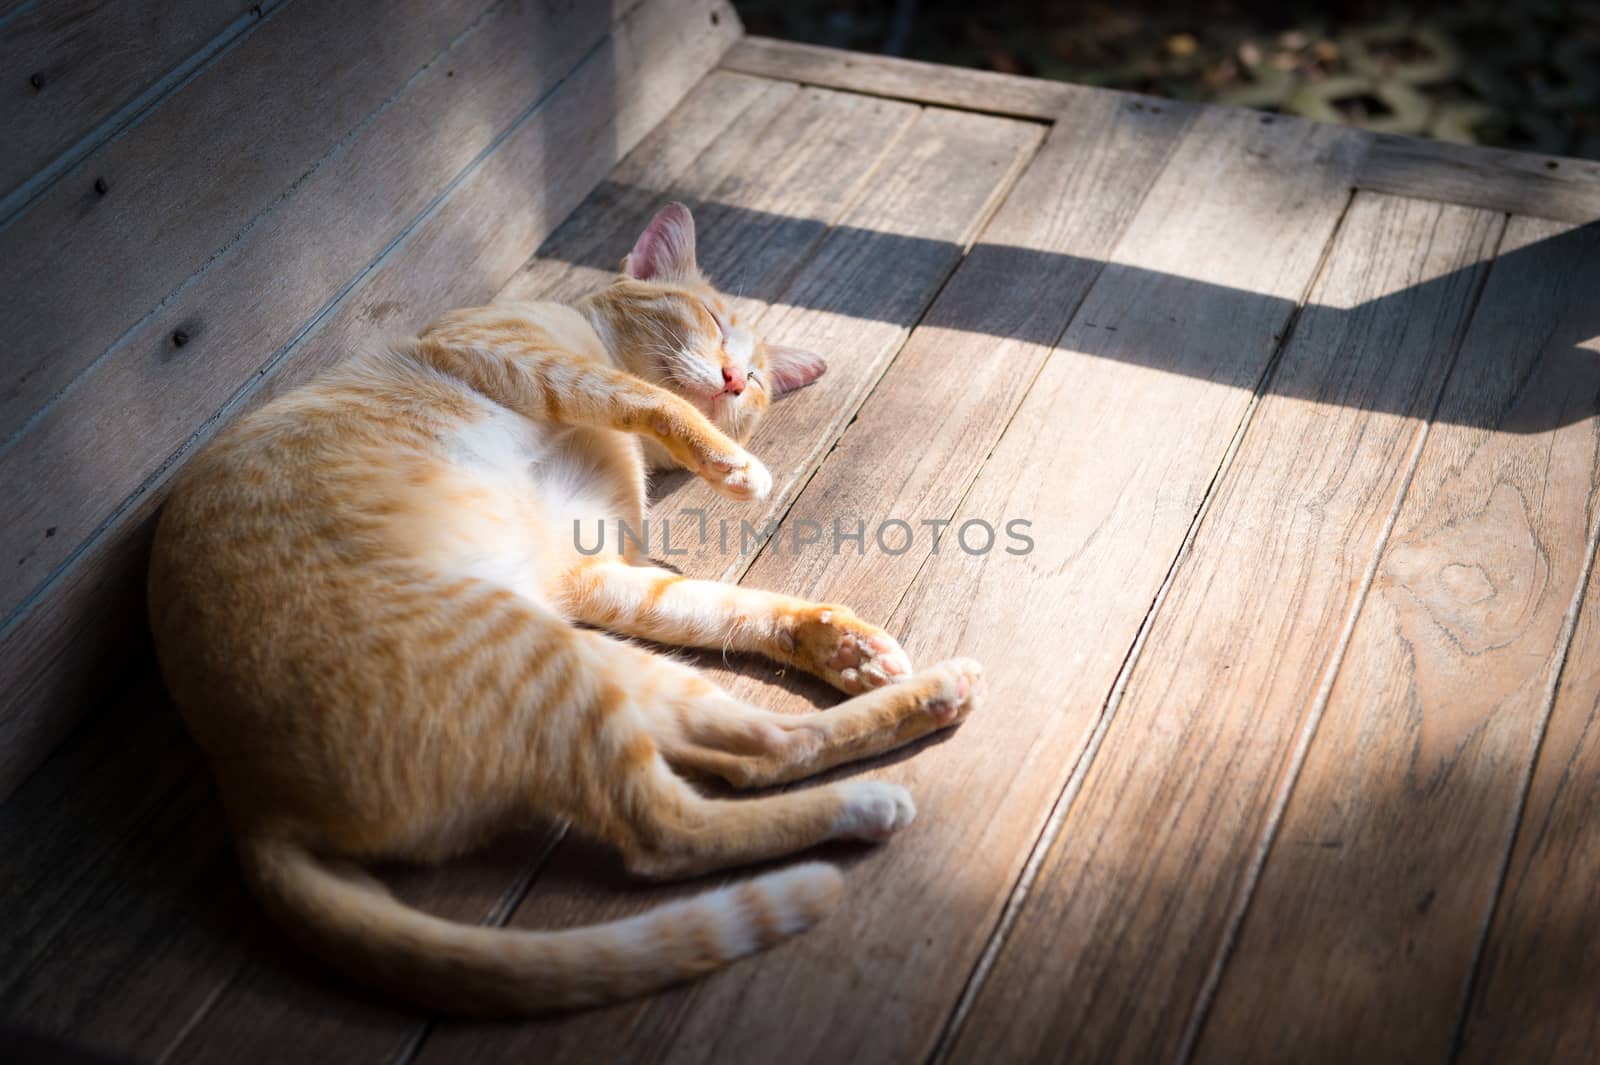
(792, 368)
(665, 250)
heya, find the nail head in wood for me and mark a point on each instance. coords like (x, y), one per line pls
(100, 186)
(180, 338)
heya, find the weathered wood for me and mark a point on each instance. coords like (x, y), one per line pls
(1188, 769)
(108, 782)
(582, 255)
(79, 268)
(762, 197)
(1516, 182)
(1367, 917)
(968, 363)
(77, 72)
(905, 79)
(1534, 998)
(923, 904)
(1544, 186)
(109, 447)
(277, 1004)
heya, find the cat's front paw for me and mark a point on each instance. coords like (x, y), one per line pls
(845, 651)
(737, 475)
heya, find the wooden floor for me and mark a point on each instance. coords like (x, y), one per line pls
(1293, 738)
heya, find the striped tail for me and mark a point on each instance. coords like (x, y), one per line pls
(352, 922)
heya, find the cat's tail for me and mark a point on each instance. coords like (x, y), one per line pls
(352, 922)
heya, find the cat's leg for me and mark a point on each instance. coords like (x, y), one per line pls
(673, 830)
(685, 833)
(823, 639)
(554, 386)
(716, 734)
(611, 769)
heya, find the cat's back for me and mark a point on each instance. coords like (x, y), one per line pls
(375, 476)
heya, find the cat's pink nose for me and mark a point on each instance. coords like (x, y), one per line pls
(732, 380)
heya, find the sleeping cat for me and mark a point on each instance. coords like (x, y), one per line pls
(367, 601)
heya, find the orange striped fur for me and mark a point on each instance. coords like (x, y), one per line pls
(366, 600)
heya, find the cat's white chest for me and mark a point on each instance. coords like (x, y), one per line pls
(528, 488)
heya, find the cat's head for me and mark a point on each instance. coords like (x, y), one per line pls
(671, 327)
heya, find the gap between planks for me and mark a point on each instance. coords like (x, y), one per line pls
(16, 202)
(216, 258)
(249, 388)
(1230, 933)
(1058, 812)
(853, 406)
(1541, 730)
(1545, 186)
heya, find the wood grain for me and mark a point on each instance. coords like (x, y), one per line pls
(880, 976)
(79, 268)
(105, 460)
(1544, 186)
(1137, 889)
(1366, 920)
(762, 197)
(905, 79)
(965, 368)
(1534, 997)
(80, 70)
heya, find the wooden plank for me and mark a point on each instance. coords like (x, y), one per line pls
(996, 322)
(278, 1005)
(582, 255)
(1368, 914)
(79, 71)
(108, 783)
(1533, 997)
(1544, 186)
(762, 197)
(924, 904)
(79, 268)
(111, 445)
(1137, 889)
(905, 79)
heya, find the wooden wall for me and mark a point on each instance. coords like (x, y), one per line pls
(202, 204)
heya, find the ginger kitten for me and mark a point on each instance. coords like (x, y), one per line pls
(365, 598)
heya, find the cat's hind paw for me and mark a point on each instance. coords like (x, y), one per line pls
(873, 811)
(852, 655)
